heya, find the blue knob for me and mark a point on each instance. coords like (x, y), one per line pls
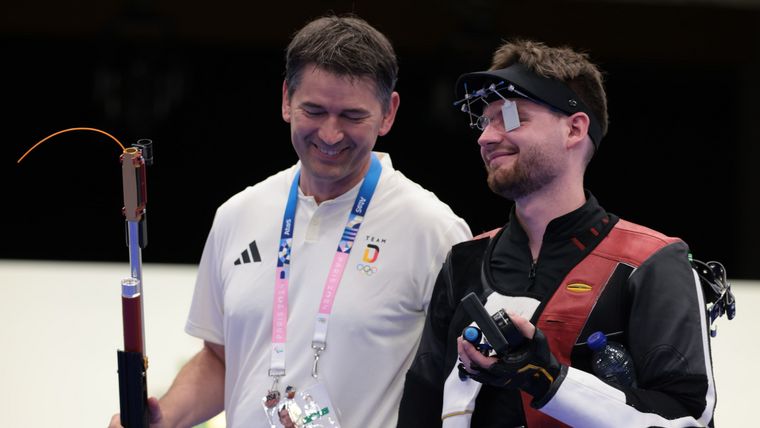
(472, 334)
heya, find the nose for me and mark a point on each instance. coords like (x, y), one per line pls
(330, 131)
(490, 135)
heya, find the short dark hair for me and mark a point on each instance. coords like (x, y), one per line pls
(346, 46)
(560, 63)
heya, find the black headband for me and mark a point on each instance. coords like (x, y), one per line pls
(520, 81)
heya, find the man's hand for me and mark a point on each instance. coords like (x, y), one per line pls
(531, 368)
(196, 395)
(156, 417)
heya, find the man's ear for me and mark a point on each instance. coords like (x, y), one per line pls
(389, 115)
(577, 129)
(285, 102)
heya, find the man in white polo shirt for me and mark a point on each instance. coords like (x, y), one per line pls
(317, 278)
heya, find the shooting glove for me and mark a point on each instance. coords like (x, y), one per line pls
(531, 368)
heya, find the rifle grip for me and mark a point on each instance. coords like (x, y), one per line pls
(133, 390)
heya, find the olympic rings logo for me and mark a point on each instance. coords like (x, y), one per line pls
(367, 269)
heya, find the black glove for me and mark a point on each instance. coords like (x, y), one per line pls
(531, 368)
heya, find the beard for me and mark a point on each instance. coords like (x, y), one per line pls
(532, 172)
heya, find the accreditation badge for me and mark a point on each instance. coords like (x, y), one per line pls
(310, 408)
(318, 410)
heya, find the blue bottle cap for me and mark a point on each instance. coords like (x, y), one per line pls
(597, 340)
(472, 335)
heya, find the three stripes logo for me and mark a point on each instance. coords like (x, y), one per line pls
(250, 254)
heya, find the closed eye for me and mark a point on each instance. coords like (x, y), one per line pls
(311, 109)
(312, 112)
(355, 116)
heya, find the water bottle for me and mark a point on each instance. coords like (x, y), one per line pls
(610, 361)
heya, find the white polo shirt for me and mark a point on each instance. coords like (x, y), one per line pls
(379, 310)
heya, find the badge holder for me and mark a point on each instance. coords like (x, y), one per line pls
(313, 403)
(310, 408)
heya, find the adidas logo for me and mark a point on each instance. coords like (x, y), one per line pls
(249, 254)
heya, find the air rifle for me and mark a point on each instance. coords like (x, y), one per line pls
(132, 361)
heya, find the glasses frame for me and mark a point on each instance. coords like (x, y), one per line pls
(480, 121)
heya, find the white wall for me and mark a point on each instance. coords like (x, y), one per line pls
(60, 327)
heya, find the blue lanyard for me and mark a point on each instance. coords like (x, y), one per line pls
(279, 313)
